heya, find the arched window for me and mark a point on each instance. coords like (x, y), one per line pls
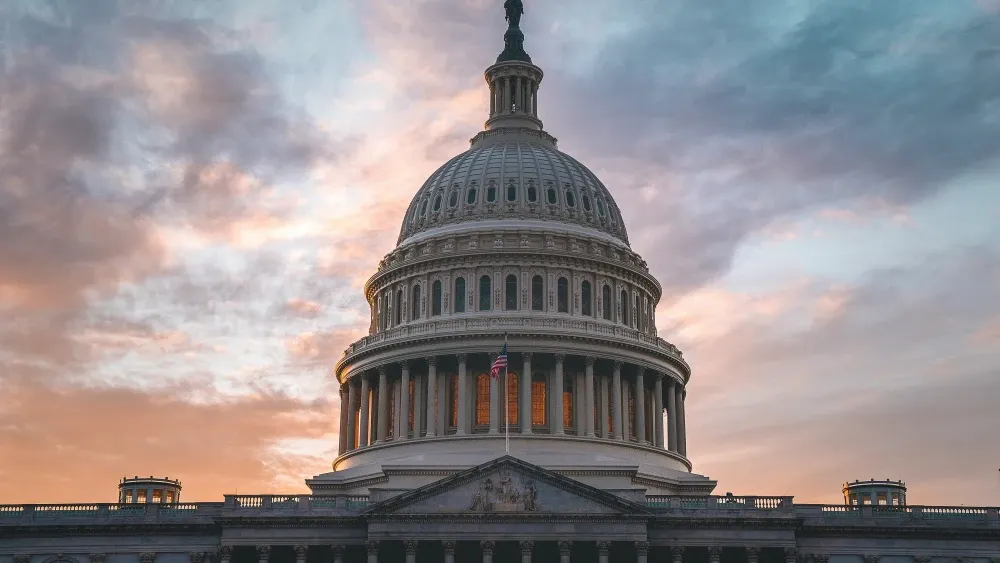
(482, 399)
(624, 305)
(416, 302)
(437, 203)
(511, 397)
(511, 192)
(471, 198)
(399, 306)
(532, 194)
(638, 313)
(538, 400)
(551, 194)
(453, 198)
(436, 298)
(600, 208)
(485, 289)
(562, 291)
(570, 199)
(606, 298)
(423, 207)
(510, 293)
(586, 203)
(537, 293)
(491, 193)
(459, 295)
(585, 298)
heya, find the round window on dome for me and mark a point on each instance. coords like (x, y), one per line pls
(551, 194)
(586, 203)
(532, 194)
(471, 199)
(570, 199)
(437, 203)
(511, 192)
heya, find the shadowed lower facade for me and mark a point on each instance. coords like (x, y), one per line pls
(515, 242)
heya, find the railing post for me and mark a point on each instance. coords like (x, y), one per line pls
(229, 501)
(992, 514)
(304, 502)
(265, 501)
(29, 510)
(866, 511)
(917, 512)
(341, 501)
(102, 510)
(152, 511)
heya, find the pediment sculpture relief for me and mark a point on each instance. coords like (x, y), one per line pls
(505, 496)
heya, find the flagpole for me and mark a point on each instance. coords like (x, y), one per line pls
(506, 399)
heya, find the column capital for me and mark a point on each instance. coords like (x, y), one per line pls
(825, 558)
(99, 557)
(431, 360)
(792, 555)
(714, 553)
(922, 559)
(677, 552)
(753, 553)
(263, 551)
(382, 370)
(526, 546)
(300, 551)
(463, 357)
(565, 547)
(22, 558)
(147, 557)
(640, 371)
(618, 365)
(869, 558)
(225, 551)
(193, 557)
(449, 546)
(338, 549)
(371, 546)
(560, 358)
(526, 356)
(404, 364)
(642, 548)
(590, 361)
(657, 376)
(410, 546)
(487, 546)
(603, 547)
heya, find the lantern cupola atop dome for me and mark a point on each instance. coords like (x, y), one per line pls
(513, 79)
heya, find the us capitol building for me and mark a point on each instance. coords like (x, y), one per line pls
(510, 239)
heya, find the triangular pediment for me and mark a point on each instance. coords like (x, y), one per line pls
(506, 485)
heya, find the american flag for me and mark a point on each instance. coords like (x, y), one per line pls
(500, 363)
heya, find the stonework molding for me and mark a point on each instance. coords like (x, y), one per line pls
(642, 548)
(431, 360)
(371, 547)
(527, 546)
(147, 557)
(565, 547)
(486, 545)
(410, 546)
(300, 551)
(590, 360)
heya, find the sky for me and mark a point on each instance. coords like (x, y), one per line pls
(192, 195)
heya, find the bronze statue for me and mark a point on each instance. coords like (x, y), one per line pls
(514, 10)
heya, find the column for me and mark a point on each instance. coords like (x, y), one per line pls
(487, 547)
(338, 553)
(449, 551)
(494, 400)
(677, 554)
(603, 549)
(616, 400)
(557, 396)
(404, 402)
(641, 551)
(602, 412)
(431, 396)
(383, 404)
(397, 422)
(527, 546)
(640, 406)
(263, 553)
(658, 409)
(341, 428)
(753, 554)
(588, 383)
(366, 391)
(372, 548)
(714, 554)
(565, 548)
(671, 415)
(411, 550)
(525, 416)
(681, 422)
(418, 403)
(225, 554)
(300, 553)
(493, 98)
(463, 395)
(518, 98)
(352, 407)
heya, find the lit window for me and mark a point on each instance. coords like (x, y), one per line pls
(483, 399)
(512, 398)
(568, 401)
(140, 496)
(538, 400)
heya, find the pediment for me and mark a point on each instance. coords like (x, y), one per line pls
(506, 485)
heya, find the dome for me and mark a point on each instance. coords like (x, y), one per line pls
(515, 178)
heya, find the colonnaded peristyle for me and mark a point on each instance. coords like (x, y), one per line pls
(515, 242)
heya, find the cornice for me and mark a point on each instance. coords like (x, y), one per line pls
(109, 529)
(809, 529)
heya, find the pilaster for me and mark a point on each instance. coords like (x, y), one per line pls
(588, 393)
(404, 402)
(432, 427)
(557, 396)
(525, 416)
(616, 400)
(463, 396)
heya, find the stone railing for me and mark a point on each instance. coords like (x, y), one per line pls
(471, 322)
(108, 513)
(719, 503)
(300, 503)
(852, 514)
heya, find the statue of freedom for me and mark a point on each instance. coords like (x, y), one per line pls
(514, 10)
